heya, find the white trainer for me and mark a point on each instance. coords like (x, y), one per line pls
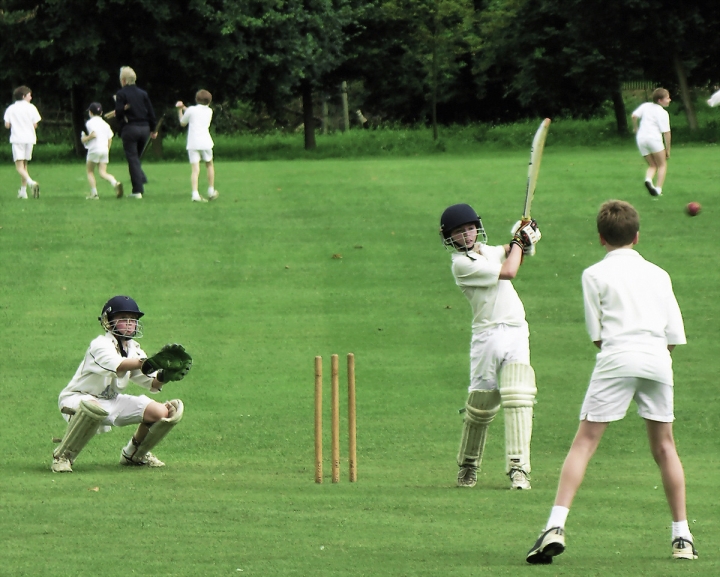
(548, 545)
(118, 189)
(35, 188)
(519, 479)
(22, 195)
(136, 195)
(467, 476)
(198, 198)
(149, 460)
(683, 548)
(92, 197)
(61, 465)
(214, 195)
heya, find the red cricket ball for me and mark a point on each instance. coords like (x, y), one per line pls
(693, 208)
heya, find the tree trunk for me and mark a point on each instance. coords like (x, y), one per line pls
(685, 93)
(434, 90)
(78, 118)
(346, 113)
(308, 118)
(620, 114)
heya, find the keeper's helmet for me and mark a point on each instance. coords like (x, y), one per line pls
(111, 313)
(458, 215)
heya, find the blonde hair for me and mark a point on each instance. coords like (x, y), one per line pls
(203, 97)
(127, 75)
(658, 94)
(618, 222)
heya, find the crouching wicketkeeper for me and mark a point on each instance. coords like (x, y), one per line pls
(95, 400)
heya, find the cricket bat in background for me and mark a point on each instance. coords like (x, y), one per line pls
(157, 129)
(536, 152)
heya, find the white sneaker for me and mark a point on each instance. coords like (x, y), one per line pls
(22, 194)
(684, 548)
(118, 189)
(548, 545)
(92, 197)
(199, 199)
(136, 195)
(467, 476)
(61, 465)
(149, 460)
(214, 195)
(519, 479)
(35, 188)
(153, 461)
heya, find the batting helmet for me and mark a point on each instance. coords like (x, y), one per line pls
(455, 216)
(116, 305)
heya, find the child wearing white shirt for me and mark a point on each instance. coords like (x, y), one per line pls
(199, 142)
(22, 118)
(98, 141)
(653, 138)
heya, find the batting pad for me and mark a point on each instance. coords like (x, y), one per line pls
(480, 409)
(158, 430)
(82, 427)
(518, 390)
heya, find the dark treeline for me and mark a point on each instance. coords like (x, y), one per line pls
(418, 61)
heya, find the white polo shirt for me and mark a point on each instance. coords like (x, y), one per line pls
(493, 301)
(654, 120)
(630, 306)
(103, 134)
(22, 116)
(96, 374)
(197, 118)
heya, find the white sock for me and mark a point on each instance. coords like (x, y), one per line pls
(680, 529)
(195, 193)
(93, 191)
(658, 189)
(648, 180)
(31, 181)
(558, 516)
(23, 189)
(211, 190)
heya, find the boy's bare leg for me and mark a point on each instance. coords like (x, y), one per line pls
(583, 448)
(652, 167)
(210, 174)
(21, 167)
(194, 175)
(91, 174)
(102, 170)
(665, 454)
(661, 163)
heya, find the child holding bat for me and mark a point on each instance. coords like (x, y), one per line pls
(199, 142)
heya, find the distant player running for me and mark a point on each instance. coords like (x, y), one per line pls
(500, 371)
(633, 318)
(95, 398)
(653, 138)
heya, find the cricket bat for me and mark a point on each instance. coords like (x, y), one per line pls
(157, 129)
(536, 151)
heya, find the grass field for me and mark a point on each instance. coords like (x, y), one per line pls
(298, 259)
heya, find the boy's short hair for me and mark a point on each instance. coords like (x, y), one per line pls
(618, 222)
(658, 94)
(21, 92)
(203, 97)
(128, 75)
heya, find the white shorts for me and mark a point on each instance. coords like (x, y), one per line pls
(650, 145)
(493, 348)
(195, 155)
(98, 157)
(608, 400)
(22, 152)
(122, 410)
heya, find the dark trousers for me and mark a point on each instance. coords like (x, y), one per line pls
(134, 137)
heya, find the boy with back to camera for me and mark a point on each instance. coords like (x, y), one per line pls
(98, 141)
(500, 371)
(653, 138)
(199, 142)
(96, 398)
(632, 316)
(22, 118)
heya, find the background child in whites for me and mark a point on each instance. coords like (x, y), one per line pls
(98, 141)
(199, 142)
(653, 137)
(22, 119)
(632, 316)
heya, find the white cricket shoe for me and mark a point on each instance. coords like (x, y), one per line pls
(519, 479)
(22, 195)
(198, 198)
(149, 460)
(118, 189)
(214, 195)
(548, 545)
(136, 195)
(61, 465)
(92, 197)
(35, 188)
(684, 548)
(467, 476)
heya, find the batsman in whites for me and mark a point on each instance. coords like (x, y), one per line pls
(96, 399)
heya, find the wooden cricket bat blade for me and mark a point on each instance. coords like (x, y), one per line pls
(536, 151)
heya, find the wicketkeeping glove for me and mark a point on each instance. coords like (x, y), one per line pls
(172, 363)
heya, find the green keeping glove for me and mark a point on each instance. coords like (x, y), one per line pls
(172, 362)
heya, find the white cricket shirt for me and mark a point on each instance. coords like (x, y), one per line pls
(630, 306)
(22, 116)
(197, 118)
(96, 374)
(103, 134)
(493, 301)
(654, 120)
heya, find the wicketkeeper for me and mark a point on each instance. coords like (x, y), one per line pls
(95, 398)
(500, 371)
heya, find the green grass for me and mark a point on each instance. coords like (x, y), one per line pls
(250, 286)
